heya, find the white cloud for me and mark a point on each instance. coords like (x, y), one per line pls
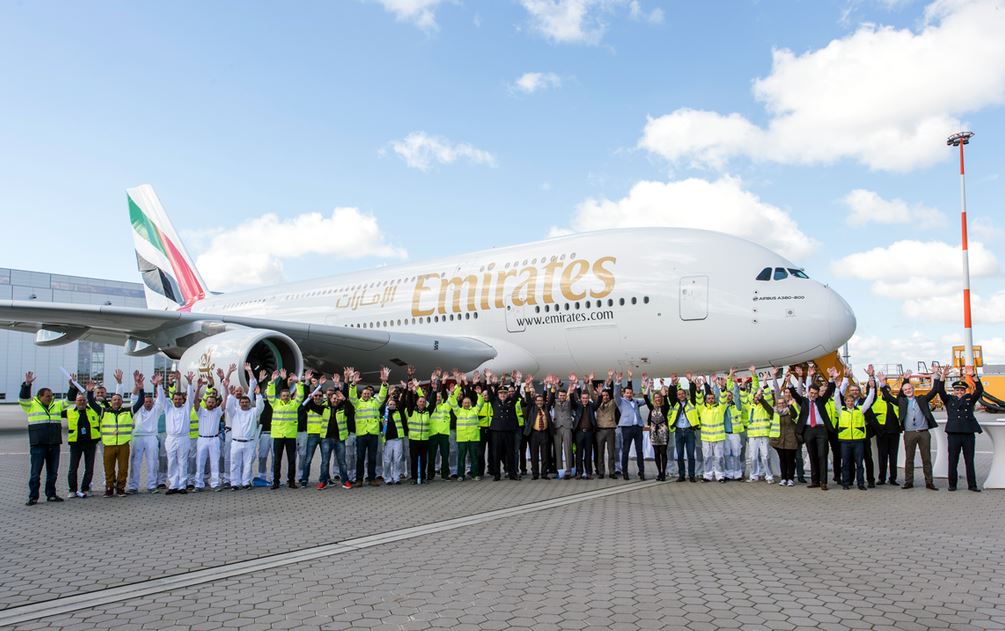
(983, 228)
(422, 13)
(252, 253)
(868, 207)
(881, 96)
(638, 13)
(927, 277)
(905, 350)
(722, 205)
(531, 82)
(914, 287)
(906, 261)
(949, 308)
(420, 151)
(581, 21)
(908, 350)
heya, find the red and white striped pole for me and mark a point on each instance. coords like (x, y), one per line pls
(958, 140)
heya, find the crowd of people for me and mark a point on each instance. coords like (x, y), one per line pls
(194, 433)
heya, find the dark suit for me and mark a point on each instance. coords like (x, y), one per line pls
(961, 427)
(815, 438)
(540, 440)
(584, 424)
(887, 437)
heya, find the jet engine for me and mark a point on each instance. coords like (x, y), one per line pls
(265, 350)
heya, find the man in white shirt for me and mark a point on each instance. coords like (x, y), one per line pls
(242, 417)
(144, 442)
(209, 412)
(176, 424)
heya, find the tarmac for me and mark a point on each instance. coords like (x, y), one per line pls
(599, 554)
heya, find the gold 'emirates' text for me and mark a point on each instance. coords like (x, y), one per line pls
(574, 280)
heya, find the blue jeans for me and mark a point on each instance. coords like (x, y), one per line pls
(329, 445)
(313, 440)
(630, 434)
(366, 449)
(852, 449)
(684, 440)
(49, 456)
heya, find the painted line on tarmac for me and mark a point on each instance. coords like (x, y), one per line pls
(69, 604)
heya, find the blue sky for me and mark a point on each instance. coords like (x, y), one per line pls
(440, 127)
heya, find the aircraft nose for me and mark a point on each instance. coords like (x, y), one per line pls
(841, 319)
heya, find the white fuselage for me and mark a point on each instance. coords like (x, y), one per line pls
(658, 299)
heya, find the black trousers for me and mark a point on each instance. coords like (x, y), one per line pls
(503, 453)
(964, 443)
(366, 449)
(524, 443)
(417, 450)
(85, 449)
(870, 464)
(437, 443)
(584, 452)
(800, 470)
(278, 446)
(815, 439)
(540, 452)
(888, 445)
(485, 453)
(47, 455)
(787, 463)
(835, 447)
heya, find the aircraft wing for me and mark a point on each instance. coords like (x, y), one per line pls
(323, 346)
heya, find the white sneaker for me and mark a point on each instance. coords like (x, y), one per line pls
(751, 479)
(782, 482)
(80, 494)
(769, 480)
(791, 483)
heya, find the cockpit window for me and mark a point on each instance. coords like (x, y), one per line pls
(765, 274)
(798, 273)
(780, 273)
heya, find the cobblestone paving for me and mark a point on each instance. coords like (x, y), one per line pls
(676, 556)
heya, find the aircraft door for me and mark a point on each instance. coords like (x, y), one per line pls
(514, 318)
(694, 297)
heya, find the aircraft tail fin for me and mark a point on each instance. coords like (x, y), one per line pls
(170, 278)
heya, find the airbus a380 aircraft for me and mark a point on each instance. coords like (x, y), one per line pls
(662, 300)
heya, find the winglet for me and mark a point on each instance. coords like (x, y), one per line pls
(170, 279)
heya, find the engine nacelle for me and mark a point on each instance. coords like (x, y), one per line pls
(265, 350)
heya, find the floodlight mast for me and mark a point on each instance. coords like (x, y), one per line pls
(959, 140)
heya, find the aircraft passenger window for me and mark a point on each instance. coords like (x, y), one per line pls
(645, 299)
(467, 316)
(635, 300)
(451, 317)
(765, 274)
(577, 306)
(780, 274)
(476, 315)
(798, 273)
(621, 302)
(547, 308)
(610, 302)
(587, 304)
